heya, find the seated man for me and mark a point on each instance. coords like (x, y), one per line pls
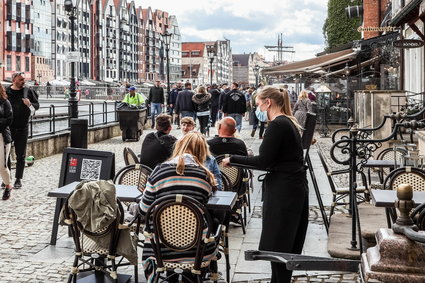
(225, 142)
(158, 147)
(133, 97)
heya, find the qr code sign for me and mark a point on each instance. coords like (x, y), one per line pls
(90, 169)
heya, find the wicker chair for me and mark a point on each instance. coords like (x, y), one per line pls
(130, 157)
(406, 175)
(339, 194)
(90, 254)
(133, 175)
(179, 224)
(238, 181)
(386, 154)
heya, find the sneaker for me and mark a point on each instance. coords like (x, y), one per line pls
(6, 193)
(18, 184)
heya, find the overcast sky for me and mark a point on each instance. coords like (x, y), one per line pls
(249, 25)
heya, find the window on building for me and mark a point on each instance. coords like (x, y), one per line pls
(195, 53)
(27, 64)
(18, 63)
(9, 62)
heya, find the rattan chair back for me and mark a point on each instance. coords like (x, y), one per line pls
(390, 154)
(133, 175)
(130, 157)
(406, 175)
(233, 174)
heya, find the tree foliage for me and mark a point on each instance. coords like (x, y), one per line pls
(338, 28)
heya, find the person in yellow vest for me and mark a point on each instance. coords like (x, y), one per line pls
(133, 97)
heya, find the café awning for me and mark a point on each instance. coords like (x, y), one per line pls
(318, 65)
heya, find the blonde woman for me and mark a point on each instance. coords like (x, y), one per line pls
(302, 107)
(285, 186)
(6, 117)
(184, 173)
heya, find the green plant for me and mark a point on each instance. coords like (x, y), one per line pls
(338, 29)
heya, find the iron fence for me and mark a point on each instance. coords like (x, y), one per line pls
(56, 118)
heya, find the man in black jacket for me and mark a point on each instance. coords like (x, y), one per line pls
(156, 100)
(172, 97)
(215, 97)
(184, 103)
(234, 105)
(158, 147)
(22, 100)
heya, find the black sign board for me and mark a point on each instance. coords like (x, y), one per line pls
(83, 164)
(408, 43)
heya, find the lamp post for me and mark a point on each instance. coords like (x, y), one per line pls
(211, 55)
(256, 73)
(167, 40)
(347, 74)
(71, 10)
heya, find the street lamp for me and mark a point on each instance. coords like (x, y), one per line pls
(167, 40)
(211, 55)
(256, 73)
(71, 10)
(347, 74)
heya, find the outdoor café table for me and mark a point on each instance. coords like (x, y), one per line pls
(220, 200)
(387, 198)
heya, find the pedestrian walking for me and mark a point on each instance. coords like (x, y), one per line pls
(133, 97)
(6, 117)
(257, 117)
(48, 90)
(302, 107)
(23, 101)
(285, 191)
(184, 103)
(215, 99)
(234, 105)
(293, 98)
(156, 100)
(172, 98)
(202, 102)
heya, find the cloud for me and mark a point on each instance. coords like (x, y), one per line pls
(251, 24)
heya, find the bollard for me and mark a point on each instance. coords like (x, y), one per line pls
(79, 132)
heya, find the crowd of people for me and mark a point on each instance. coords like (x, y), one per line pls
(191, 157)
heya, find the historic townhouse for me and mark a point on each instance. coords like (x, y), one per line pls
(151, 46)
(175, 53)
(83, 44)
(160, 19)
(195, 63)
(18, 36)
(61, 40)
(97, 23)
(109, 41)
(132, 44)
(141, 74)
(41, 61)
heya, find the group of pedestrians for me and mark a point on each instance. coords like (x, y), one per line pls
(17, 104)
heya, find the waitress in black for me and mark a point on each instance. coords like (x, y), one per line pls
(285, 195)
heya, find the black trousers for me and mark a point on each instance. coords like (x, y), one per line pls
(20, 139)
(214, 112)
(203, 123)
(285, 218)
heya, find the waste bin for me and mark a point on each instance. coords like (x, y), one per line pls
(79, 131)
(131, 121)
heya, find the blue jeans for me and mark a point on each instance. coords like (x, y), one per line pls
(187, 114)
(238, 119)
(156, 109)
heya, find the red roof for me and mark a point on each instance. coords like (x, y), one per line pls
(194, 46)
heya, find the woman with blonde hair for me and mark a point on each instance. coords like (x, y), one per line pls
(302, 107)
(6, 117)
(202, 102)
(184, 173)
(285, 186)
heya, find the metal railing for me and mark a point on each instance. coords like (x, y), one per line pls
(57, 119)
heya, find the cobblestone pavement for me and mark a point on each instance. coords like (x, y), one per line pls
(26, 222)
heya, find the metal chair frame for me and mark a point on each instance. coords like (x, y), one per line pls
(96, 261)
(130, 158)
(134, 175)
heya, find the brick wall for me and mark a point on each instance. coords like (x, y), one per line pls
(373, 12)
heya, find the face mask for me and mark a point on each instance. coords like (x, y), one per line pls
(261, 115)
